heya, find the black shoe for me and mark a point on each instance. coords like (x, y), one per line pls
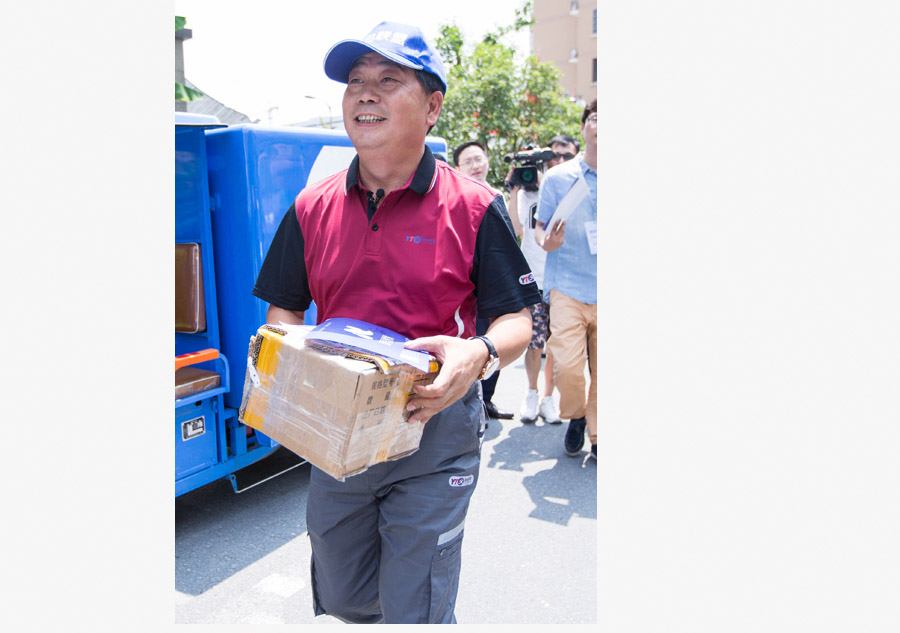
(497, 414)
(575, 436)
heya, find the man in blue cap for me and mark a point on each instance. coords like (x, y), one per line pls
(406, 242)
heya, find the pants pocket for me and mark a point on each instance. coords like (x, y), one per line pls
(445, 568)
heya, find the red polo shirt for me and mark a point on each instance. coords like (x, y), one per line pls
(433, 254)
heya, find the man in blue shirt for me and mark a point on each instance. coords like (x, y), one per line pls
(570, 281)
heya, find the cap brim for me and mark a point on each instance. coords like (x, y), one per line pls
(341, 56)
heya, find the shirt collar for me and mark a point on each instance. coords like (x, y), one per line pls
(421, 181)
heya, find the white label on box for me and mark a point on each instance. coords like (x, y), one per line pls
(254, 376)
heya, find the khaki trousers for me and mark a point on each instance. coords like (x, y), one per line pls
(573, 342)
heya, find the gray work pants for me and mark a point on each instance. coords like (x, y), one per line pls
(386, 543)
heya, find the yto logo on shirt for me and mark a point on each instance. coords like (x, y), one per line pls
(459, 482)
(524, 280)
(418, 239)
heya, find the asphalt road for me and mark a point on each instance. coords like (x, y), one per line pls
(529, 555)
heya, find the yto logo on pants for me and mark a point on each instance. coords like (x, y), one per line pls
(459, 482)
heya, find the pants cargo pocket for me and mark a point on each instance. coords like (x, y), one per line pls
(445, 568)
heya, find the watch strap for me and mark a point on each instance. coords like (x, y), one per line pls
(493, 358)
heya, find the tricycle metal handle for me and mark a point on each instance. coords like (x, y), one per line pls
(195, 358)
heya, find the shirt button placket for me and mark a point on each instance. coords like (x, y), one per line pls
(373, 236)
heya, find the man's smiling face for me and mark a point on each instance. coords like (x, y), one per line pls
(385, 107)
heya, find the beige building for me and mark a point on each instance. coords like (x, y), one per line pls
(565, 34)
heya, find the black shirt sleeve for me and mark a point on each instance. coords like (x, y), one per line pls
(282, 280)
(502, 278)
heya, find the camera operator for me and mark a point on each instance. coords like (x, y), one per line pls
(563, 147)
(522, 211)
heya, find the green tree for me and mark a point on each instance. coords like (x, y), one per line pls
(504, 105)
(182, 92)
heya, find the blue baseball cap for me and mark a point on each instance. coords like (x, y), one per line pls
(401, 43)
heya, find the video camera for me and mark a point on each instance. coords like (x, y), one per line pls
(532, 161)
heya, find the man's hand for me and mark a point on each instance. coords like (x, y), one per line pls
(462, 361)
(461, 364)
(550, 240)
(514, 189)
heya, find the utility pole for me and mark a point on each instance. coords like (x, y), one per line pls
(180, 36)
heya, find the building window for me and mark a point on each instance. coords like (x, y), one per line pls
(595, 22)
(573, 8)
(594, 72)
(573, 55)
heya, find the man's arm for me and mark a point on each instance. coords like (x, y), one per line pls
(277, 316)
(462, 361)
(552, 240)
(514, 211)
(548, 201)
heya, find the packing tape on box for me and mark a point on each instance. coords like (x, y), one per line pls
(396, 416)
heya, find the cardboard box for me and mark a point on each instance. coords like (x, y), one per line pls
(341, 414)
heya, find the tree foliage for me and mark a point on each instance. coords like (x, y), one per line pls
(504, 105)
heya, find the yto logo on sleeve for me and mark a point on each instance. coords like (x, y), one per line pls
(459, 482)
(524, 280)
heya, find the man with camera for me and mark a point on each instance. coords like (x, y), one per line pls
(523, 183)
(566, 228)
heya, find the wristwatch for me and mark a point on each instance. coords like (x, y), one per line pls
(493, 361)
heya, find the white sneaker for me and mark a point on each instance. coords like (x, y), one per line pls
(529, 410)
(549, 411)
